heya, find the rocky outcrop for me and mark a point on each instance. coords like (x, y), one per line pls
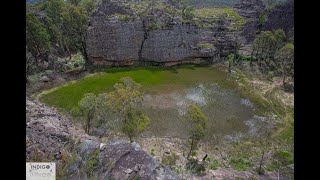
(118, 160)
(118, 36)
(52, 137)
(48, 132)
(251, 10)
(260, 18)
(281, 17)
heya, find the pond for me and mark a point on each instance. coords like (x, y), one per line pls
(229, 116)
(168, 91)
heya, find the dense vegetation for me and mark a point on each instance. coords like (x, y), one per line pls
(272, 53)
(55, 28)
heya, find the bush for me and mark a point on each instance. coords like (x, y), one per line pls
(170, 160)
(214, 164)
(152, 152)
(283, 158)
(240, 163)
(204, 46)
(92, 163)
(194, 153)
(76, 61)
(195, 167)
(270, 75)
(75, 112)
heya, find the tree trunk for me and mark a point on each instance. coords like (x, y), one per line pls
(251, 59)
(284, 80)
(229, 69)
(205, 157)
(84, 53)
(260, 164)
(190, 149)
(84, 50)
(88, 125)
(70, 55)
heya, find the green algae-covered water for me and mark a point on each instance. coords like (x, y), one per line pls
(168, 92)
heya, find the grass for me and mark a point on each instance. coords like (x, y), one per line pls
(212, 15)
(214, 164)
(121, 17)
(240, 164)
(214, 12)
(153, 79)
(205, 46)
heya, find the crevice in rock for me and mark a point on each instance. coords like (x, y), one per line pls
(116, 163)
(145, 37)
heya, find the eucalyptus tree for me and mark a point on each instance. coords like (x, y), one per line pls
(37, 38)
(126, 100)
(88, 108)
(265, 47)
(198, 125)
(285, 56)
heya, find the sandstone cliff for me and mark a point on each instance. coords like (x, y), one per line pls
(121, 33)
(251, 10)
(262, 18)
(281, 17)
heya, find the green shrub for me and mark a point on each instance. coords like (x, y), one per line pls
(214, 164)
(195, 167)
(194, 153)
(270, 75)
(76, 61)
(240, 163)
(67, 160)
(283, 157)
(211, 16)
(121, 17)
(262, 19)
(75, 112)
(205, 46)
(170, 160)
(92, 163)
(152, 152)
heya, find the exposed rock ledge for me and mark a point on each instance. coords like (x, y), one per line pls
(51, 136)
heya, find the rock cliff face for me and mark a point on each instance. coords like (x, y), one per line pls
(52, 137)
(133, 32)
(281, 17)
(251, 10)
(118, 36)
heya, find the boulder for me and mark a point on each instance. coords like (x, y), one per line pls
(44, 79)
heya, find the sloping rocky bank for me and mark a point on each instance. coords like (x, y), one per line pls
(52, 137)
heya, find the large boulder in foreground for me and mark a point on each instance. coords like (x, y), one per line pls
(128, 161)
(116, 160)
